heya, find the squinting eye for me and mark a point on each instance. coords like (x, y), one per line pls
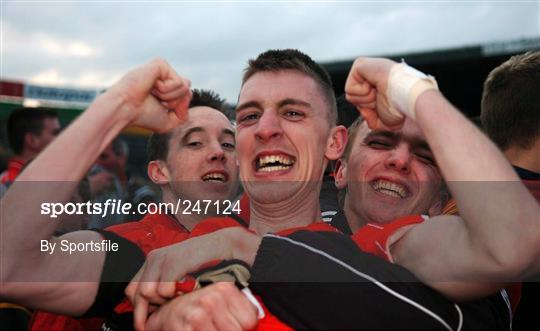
(294, 114)
(228, 145)
(426, 159)
(379, 144)
(194, 143)
(249, 118)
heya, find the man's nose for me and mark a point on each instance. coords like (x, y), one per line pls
(399, 159)
(268, 126)
(217, 153)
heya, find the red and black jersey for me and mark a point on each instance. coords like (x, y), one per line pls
(270, 321)
(122, 317)
(152, 232)
(321, 280)
(373, 237)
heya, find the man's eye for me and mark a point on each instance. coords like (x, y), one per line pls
(194, 143)
(248, 118)
(379, 144)
(427, 159)
(294, 114)
(228, 145)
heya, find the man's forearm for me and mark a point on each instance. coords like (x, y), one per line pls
(244, 245)
(491, 198)
(152, 96)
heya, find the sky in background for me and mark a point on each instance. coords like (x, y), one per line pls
(91, 44)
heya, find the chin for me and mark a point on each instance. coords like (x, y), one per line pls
(383, 216)
(271, 192)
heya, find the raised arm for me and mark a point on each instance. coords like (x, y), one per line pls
(499, 235)
(59, 281)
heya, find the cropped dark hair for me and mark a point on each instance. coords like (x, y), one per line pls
(352, 132)
(291, 59)
(510, 110)
(158, 143)
(26, 120)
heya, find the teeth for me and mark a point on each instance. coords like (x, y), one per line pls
(214, 176)
(280, 160)
(273, 168)
(390, 188)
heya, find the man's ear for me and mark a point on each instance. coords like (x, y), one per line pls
(157, 171)
(336, 142)
(340, 175)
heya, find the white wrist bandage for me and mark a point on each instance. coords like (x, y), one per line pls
(405, 84)
(260, 311)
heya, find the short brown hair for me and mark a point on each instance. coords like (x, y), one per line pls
(26, 120)
(158, 144)
(510, 110)
(291, 59)
(352, 130)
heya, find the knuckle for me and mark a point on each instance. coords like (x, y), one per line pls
(129, 291)
(208, 301)
(146, 292)
(165, 291)
(159, 61)
(358, 60)
(194, 316)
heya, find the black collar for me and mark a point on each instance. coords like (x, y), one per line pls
(339, 221)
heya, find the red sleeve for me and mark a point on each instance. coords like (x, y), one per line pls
(245, 212)
(213, 224)
(373, 238)
(43, 321)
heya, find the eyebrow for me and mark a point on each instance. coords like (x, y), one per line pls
(228, 132)
(386, 134)
(416, 142)
(195, 129)
(249, 104)
(282, 103)
(191, 131)
(294, 102)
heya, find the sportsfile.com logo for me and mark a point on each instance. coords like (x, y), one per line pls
(117, 207)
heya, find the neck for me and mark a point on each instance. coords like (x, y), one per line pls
(525, 158)
(298, 211)
(355, 221)
(188, 220)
